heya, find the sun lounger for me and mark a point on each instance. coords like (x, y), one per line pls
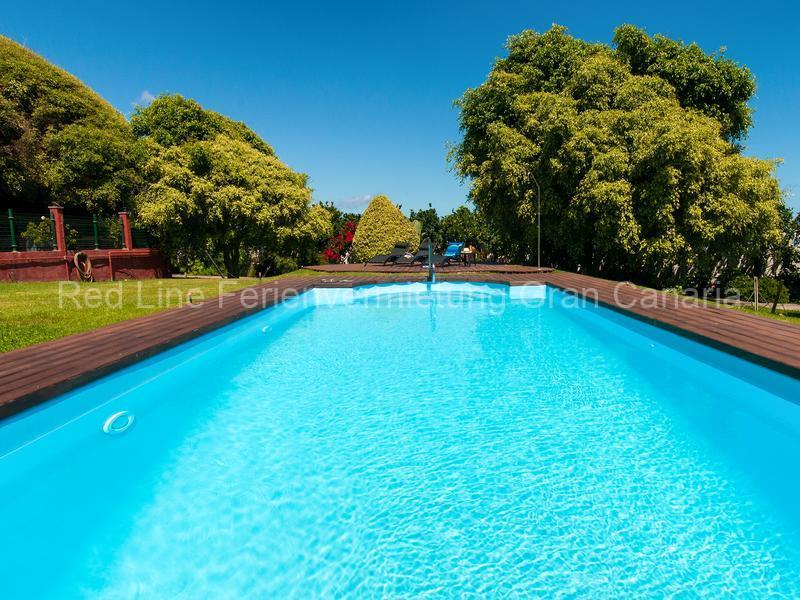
(420, 256)
(451, 254)
(383, 259)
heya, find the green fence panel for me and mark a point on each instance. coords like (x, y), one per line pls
(140, 237)
(21, 222)
(7, 241)
(79, 232)
(109, 232)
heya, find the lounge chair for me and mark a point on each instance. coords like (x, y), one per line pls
(420, 256)
(382, 259)
(451, 254)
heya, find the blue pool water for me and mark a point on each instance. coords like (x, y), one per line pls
(442, 443)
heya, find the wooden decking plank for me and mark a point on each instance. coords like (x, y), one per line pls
(701, 319)
(722, 319)
(770, 342)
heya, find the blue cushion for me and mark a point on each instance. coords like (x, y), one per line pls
(453, 249)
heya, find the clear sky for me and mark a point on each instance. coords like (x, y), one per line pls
(359, 95)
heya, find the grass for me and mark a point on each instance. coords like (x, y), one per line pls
(788, 315)
(791, 316)
(36, 312)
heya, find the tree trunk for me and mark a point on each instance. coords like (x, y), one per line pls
(230, 257)
(777, 296)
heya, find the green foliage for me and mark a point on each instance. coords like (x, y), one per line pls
(217, 189)
(638, 180)
(381, 227)
(284, 264)
(39, 235)
(712, 84)
(785, 255)
(768, 288)
(468, 226)
(340, 218)
(224, 197)
(429, 219)
(59, 141)
(301, 244)
(71, 237)
(172, 120)
(113, 227)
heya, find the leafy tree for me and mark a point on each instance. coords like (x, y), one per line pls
(225, 197)
(465, 225)
(785, 256)
(339, 218)
(59, 141)
(638, 177)
(429, 219)
(171, 120)
(712, 84)
(381, 227)
(301, 242)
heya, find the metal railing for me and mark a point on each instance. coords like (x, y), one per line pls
(13, 225)
(141, 238)
(80, 232)
(92, 233)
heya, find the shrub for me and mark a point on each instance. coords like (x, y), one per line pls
(284, 264)
(381, 227)
(340, 244)
(767, 289)
(39, 235)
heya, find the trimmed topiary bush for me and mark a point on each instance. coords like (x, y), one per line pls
(381, 227)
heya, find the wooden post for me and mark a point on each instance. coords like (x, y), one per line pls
(57, 215)
(127, 238)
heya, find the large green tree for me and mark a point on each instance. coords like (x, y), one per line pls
(217, 190)
(469, 226)
(633, 150)
(171, 120)
(59, 141)
(429, 221)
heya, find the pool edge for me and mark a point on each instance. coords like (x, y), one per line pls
(36, 374)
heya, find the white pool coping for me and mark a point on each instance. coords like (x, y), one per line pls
(342, 296)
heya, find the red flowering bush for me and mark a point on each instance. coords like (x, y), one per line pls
(340, 243)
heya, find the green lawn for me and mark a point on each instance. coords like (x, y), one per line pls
(36, 312)
(792, 316)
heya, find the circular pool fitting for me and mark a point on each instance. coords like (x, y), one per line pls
(118, 423)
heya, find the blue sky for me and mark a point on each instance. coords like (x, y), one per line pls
(359, 95)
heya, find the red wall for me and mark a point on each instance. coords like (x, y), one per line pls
(139, 263)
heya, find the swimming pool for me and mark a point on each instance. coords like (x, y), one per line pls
(398, 440)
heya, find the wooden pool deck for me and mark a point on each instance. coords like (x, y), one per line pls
(31, 375)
